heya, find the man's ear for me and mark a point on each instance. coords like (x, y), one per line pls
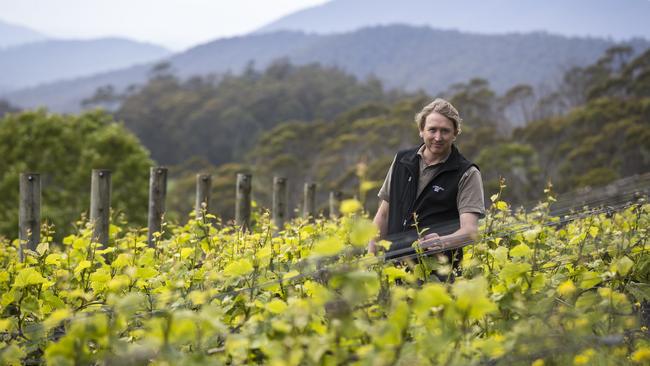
(421, 134)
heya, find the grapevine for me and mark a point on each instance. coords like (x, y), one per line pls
(537, 287)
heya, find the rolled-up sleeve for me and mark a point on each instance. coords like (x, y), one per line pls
(470, 193)
(384, 191)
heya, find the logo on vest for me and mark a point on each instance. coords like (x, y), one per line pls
(437, 189)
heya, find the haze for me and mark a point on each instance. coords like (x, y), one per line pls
(174, 24)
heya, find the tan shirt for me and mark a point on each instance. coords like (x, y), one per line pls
(470, 186)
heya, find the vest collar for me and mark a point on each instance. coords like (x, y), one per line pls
(412, 160)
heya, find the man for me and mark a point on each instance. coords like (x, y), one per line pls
(435, 182)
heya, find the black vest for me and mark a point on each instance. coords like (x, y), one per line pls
(436, 207)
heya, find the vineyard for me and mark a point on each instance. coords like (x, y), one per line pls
(540, 287)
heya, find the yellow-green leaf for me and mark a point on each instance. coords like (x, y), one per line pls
(362, 232)
(327, 246)
(531, 235)
(99, 279)
(589, 279)
(367, 185)
(622, 266)
(350, 206)
(82, 265)
(471, 296)
(239, 267)
(42, 248)
(56, 317)
(276, 306)
(264, 253)
(521, 250)
(145, 273)
(433, 294)
(28, 276)
(291, 274)
(394, 273)
(121, 261)
(198, 297)
(500, 254)
(512, 271)
(80, 243)
(566, 288)
(186, 252)
(53, 259)
(6, 324)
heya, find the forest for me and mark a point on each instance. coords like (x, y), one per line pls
(551, 284)
(315, 123)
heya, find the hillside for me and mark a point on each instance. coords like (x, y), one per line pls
(596, 18)
(220, 120)
(12, 35)
(47, 61)
(310, 123)
(604, 139)
(409, 58)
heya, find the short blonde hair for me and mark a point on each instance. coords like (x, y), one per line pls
(443, 107)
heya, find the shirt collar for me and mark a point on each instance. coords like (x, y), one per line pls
(421, 154)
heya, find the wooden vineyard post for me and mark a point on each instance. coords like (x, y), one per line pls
(309, 203)
(279, 206)
(29, 216)
(203, 187)
(100, 204)
(243, 201)
(335, 203)
(157, 194)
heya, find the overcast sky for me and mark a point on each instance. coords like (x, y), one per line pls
(176, 24)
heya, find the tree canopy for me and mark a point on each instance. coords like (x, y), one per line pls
(64, 149)
(220, 117)
(311, 123)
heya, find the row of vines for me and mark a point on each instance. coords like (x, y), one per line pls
(534, 288)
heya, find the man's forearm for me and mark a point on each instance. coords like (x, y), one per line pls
(467, 233)
(458, 239)
(381, 219)
(382, 225)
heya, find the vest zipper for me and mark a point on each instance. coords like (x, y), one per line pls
(410, 186)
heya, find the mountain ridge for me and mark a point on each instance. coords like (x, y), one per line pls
(14, 34)
(401, 56)
(598, 18)
(35, 63)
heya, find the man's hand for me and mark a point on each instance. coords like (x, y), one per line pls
(432, 242)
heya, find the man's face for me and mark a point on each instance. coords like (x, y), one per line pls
(438, 134)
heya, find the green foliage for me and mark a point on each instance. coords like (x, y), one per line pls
(358, 145)
(527, 292)
(606, 139)
(518, 162)
(64, 150)
(312, 123)
(220, 118)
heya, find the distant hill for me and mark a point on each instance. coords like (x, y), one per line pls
(619, 19)
(404, 57)
(47, 61)
(12, 35)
